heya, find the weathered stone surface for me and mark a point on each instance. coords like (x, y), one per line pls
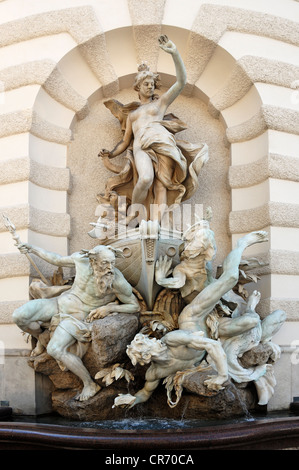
(261, 354)
(110, 337)
(99, 407)
(46, 365)
(43, 363)
(228, 403)
(194, 383)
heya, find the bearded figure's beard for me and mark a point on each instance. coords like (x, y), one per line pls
(104, 278)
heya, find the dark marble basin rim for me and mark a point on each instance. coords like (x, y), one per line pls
(278, 433)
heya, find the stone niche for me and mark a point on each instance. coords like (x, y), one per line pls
(110, 336)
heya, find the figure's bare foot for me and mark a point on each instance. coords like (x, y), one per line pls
(88, 391)
(253, 300)
(215, 382)
(39, 349)
(259, 236)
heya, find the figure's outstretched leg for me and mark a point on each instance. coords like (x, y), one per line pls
(252, 301)
(58, 346)
(193, 316)
(232, 261)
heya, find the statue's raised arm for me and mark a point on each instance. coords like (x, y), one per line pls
(161, 170)
(181, 77)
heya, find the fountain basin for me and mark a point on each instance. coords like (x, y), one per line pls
(255, 434)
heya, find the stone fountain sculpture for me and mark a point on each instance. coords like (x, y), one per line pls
(144, 306)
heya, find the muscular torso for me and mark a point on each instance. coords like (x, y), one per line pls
(84, 295)
(176, 358)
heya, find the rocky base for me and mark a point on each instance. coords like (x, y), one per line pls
(228, 403)
(110, 337)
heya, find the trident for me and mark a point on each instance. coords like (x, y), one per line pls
(12, 229)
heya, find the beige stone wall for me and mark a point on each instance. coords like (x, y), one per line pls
(61, 59)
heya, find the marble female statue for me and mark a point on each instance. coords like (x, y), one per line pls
(161, 170)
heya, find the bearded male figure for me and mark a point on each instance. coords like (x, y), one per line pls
(98, 290)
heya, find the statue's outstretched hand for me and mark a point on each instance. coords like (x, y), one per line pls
(97, 313)
(166, 44)
(24, 248)
(104, 153)
(124, 401)
(101, 312)
(163, 267)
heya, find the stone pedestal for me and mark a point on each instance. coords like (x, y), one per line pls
(22, 389)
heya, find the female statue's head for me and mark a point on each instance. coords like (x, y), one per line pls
(144, 72)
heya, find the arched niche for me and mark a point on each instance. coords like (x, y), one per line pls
(72, 127)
